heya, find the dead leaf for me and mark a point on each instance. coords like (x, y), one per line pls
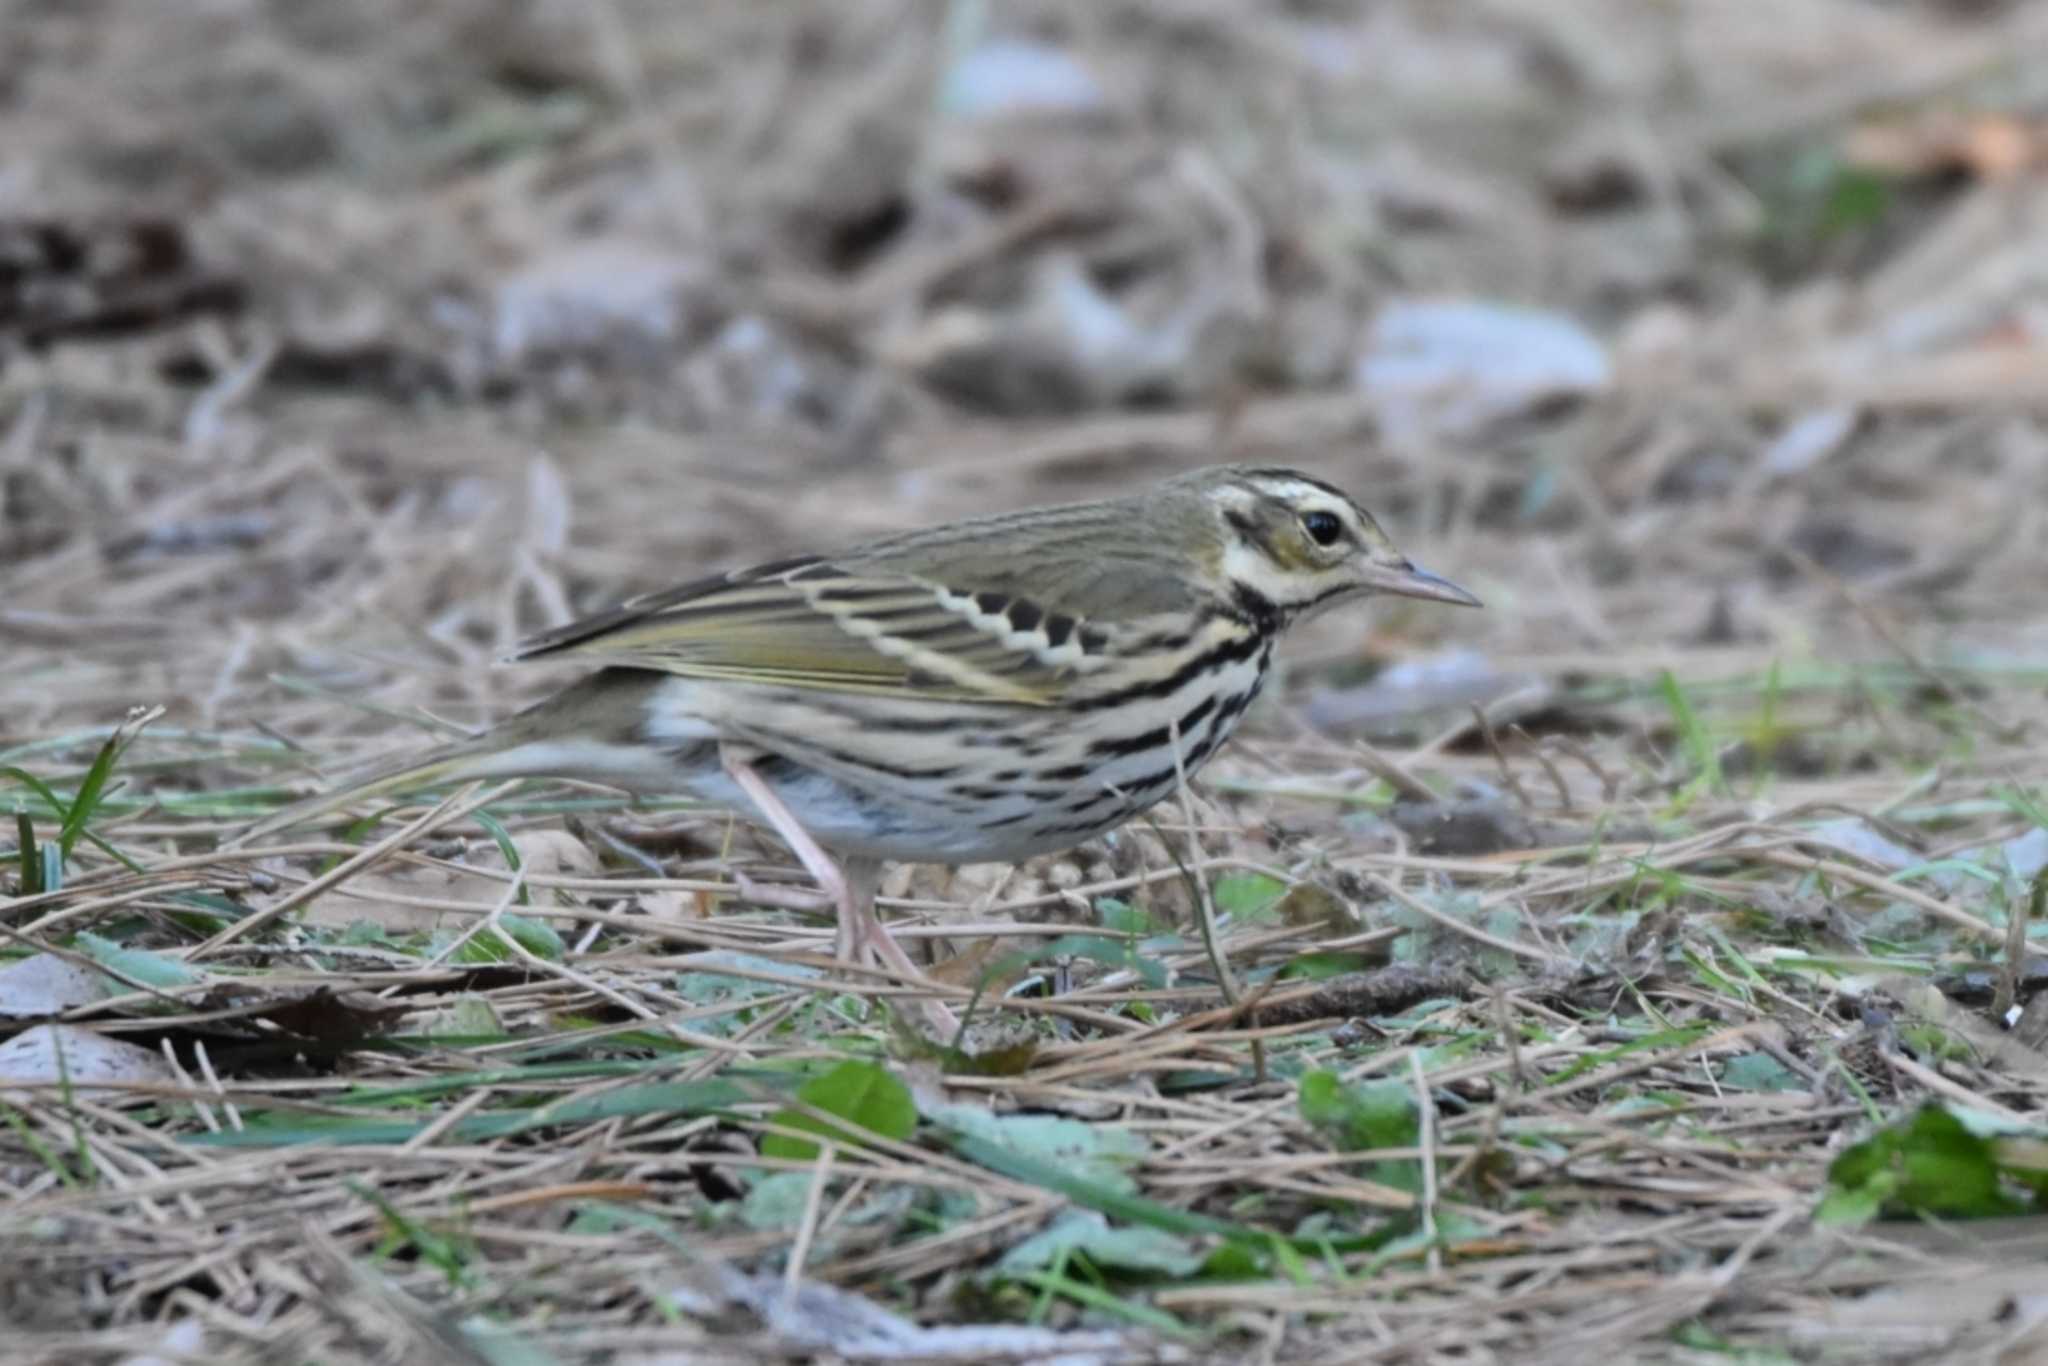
(1463, 829)
(1308, 906)
(1993, 1046)
(668, 904)
(45, 984)
(321, 1013)
(824, 1319)
(1933, 1310)
(468, 1016)
(555, 853)
(182, 1341)
(383, 896)
(965, 969)
(52, 1054)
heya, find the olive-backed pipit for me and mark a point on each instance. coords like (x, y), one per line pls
(980, 691)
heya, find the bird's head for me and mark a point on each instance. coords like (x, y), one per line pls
(1289, 545)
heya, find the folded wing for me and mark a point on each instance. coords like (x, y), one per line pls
(812, 623)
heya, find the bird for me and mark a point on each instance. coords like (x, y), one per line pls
(981, 691)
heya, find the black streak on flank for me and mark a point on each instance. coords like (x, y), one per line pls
(1234, 708)
(892, 770)
(1079, 828)
(1194, 715)
(1229, 652)
(1132, 744)
(1190, 754)
(1165, 777)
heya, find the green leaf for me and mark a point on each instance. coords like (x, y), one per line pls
(1321, 966)
(446, 1254)
(1857, 199)
(537, 937)
(507, 850)
(1654, 1039)
(1760, 1072)
(1123, 918)
(471, 1017)
(1692, 733)
(140, 965)
(1114, 954)
(863, 1094)
(481, 947)
(63, 813)
(1238, 1259)
(1246, 895)
(26, 851)
(1452, 1227)
(669, 1099)
(90, 790)
(1091, 1194)
(58, 806)
(1156, 1321)
(1119, 1203)
(1099, 1153)
(1147, 1251)
(775, 1203)
(1362, 1117)
(1931, 1164)
(1378, 1115)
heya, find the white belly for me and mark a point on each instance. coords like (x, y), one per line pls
(934, 784)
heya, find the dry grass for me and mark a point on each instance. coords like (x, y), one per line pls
(1693, 863)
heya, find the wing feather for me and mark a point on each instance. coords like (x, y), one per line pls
(814, 624)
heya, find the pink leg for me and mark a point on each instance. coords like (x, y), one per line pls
(851, 889)
(862, 933)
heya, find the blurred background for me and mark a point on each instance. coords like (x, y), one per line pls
(345, 344)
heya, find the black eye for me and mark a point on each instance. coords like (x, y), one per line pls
(1324, 528)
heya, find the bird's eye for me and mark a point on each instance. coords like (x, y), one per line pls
(1324, 528)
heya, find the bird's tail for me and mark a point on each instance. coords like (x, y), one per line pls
(484, 757)
(591, 731)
